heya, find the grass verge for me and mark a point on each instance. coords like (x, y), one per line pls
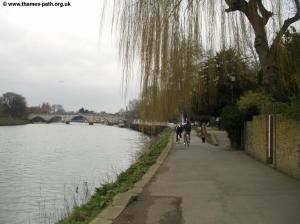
(125, 181)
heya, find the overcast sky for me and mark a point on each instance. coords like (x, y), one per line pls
(55, 55)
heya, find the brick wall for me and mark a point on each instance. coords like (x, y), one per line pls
(256, 138)
(286, 143)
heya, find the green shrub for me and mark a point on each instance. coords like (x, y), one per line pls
(3, 110)
(292, 109)
(232, 120)
(253, 103)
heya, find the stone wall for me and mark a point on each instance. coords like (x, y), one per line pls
(286, 143)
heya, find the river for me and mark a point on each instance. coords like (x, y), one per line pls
(47, 168)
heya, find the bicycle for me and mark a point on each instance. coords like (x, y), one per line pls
(186, 139)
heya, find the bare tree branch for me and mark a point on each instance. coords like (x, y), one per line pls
(236, 5)
(286, 24)
(264, 12)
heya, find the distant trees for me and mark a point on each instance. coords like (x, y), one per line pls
(132, 110)
(3, 110)
(85, 111)
(57, 108)
(12, 104)
(47, 108)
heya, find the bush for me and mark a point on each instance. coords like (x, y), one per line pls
(3, 110)
(252, 103)
(292, 110)
(232, 120)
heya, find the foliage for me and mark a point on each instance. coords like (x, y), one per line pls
(221, 80)
(251, 103)
(232, 120)
(292, 109)
(132, 110)
(3, 110)
(85, 111)
(288, 62)
(13, 104)
(104, 195)
(46, 108)
(168, 36)
(7, 121)
(57, 108)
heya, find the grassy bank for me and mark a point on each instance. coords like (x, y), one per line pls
(125, 181)
(9, 121)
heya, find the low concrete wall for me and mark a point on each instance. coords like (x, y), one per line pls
(286, 143)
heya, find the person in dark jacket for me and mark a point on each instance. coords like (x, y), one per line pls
(178, 130)
(187, 129)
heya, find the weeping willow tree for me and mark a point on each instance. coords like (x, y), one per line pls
(168, 37)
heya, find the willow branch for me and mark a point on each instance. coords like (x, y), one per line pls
(176, 6)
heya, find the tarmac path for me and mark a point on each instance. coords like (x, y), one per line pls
(205, 184)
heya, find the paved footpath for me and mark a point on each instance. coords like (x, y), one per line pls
(205, 184)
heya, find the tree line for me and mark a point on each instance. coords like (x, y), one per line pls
(14, 105)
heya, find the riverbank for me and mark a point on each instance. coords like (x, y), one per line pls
(147, 129)
(9, 121)
(125, 181)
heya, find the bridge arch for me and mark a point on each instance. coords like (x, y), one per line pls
(55, 119)
(80, 116)
(38, 119)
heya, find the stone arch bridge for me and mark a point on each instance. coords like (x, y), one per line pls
(107, 119)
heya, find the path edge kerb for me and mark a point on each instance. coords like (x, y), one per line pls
(121, 200)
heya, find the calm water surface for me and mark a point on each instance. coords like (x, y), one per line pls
(47, 168)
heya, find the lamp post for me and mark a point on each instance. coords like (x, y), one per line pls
(232, 79)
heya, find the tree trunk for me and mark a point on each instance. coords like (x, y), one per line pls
(270, 79)
(258, 17)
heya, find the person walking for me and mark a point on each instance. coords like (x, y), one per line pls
(203, 132)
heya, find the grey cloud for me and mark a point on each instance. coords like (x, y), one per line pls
(69, 69)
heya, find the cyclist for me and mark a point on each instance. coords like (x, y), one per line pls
(178, 132)
(187, 130)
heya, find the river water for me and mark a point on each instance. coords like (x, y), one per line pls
(47, 168)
